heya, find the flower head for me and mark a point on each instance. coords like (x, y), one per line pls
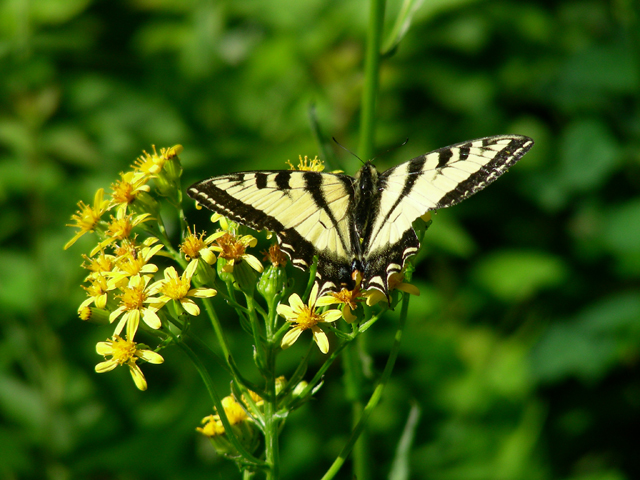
(133, 306)
(213, 425)
(134, 260)
(120, 227)
(126, 190)
(196, 246)
(275, 255)
(125, 352)
(233, 248)
(178, 288)
(97, 292)
(151, 164)
(88, 216)
(315, 165)
(349, 299)
(305, 317)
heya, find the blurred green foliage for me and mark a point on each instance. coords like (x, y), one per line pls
(522, 353)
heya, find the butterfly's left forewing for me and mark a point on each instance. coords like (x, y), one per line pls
(436, 180)
(310, 212)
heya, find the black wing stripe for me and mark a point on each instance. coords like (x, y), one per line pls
(504, 159)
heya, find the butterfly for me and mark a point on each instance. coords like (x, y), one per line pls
(362, 223)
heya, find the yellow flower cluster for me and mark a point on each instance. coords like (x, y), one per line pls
(120, 284)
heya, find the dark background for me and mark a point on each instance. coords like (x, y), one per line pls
(521, 352)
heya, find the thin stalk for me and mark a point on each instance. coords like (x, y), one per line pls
(371, 79)
(367, 135)
(377, 393)
(206, 378)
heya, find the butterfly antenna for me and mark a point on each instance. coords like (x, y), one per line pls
(392, 148)
(342, 146)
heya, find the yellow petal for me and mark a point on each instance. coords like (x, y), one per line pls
(286, 311)
(150, 356)
(253, 262)
(348, 315)
(331, 316)
(314, 294)
(190, 306)
(296, 302)
(115, 314)
(321, 339)
(202, 292)
(408, 288)
(132, 323)
(191, 269)
(106, 366)
(290, 337)
(138, 377)
(151, 318)
(104, 348)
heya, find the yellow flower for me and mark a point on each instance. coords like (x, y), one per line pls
(349, 299)
(125, 352)
(306, 317)
(100, 265)
(120, 227)
(133, 260)
(275, 255)
(127, 188)
(97, 292)
(315, 165)
(234, 412)
(232, 248)
(374, 296)
(178, 288)
(150, 165)
(132, 307)
(196, 246)
(87, 217)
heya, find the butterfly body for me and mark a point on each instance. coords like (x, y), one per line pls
(361, 223)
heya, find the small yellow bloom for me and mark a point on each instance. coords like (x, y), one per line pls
(233, 248)
(97, 292)
(315, 165)
(349, 299)
(134, 260)
(120, 227)
(125, 352)
(234, 412)
(306, 317)
(178, 288)
(196, 246)
(396, 282)
(275, 255)
(132, 307)
(99, 265)
(151, 164)
(87, 217)
(127, 188)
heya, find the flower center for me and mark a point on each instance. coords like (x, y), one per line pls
(230, 247)
(133, 298)
(123, 350)
(307, 318)
(192, 245)
(176, 288)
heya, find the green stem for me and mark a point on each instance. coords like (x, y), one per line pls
(377, 393)
(206, 378)
(371, 79)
